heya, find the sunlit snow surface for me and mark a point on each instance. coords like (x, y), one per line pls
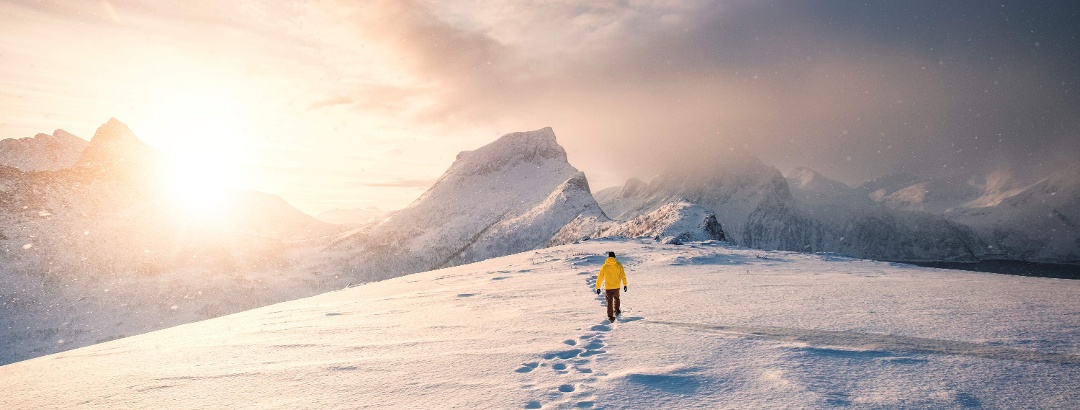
(704, 325)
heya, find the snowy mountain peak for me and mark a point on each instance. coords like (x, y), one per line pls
(113, 145)
(530, 146)
(114, 131)
(508, 196)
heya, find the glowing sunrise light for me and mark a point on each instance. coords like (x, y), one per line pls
(201, 182)
(201, 129)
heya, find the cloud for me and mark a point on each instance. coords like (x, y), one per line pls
(856, 92)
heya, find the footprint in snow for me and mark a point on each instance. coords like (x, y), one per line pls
(527, 367)
(564, 354)
(581, 358)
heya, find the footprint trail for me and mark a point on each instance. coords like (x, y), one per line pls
(573, 381)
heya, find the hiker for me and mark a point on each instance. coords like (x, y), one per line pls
(611, 276)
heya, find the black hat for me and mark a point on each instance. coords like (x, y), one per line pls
(611, 254)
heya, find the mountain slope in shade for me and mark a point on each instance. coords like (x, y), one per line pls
(877, 189)
(757, 208)
(811, 186)
(933, 196)
(704, 325)
(1039, 223)
(509, 196)
(42, 152)
(1009, 220)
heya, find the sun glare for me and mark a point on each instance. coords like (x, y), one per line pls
(200, 182)
(202, 132)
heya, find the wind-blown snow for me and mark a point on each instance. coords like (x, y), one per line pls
(704, 325)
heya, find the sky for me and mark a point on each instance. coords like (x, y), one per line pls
(355, 104)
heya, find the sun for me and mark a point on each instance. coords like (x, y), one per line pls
(202, 182)
(203, 135)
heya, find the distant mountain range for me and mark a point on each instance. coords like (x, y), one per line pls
(897, 217)
(42, 152)
(92, 248)
(1008, 220)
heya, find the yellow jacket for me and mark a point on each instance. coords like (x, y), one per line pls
(611, 275)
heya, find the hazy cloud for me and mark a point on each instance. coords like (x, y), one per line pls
(857, 91)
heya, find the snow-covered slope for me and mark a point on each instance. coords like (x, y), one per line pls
(509, 196)
(42, 152)
(703, 326)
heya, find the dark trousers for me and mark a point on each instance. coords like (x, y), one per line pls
(612, 297)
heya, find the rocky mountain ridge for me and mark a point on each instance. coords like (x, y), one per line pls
(42, 152)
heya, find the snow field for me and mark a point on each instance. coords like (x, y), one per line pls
(704, 325)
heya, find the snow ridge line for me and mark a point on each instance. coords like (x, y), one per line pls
(880, 343)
